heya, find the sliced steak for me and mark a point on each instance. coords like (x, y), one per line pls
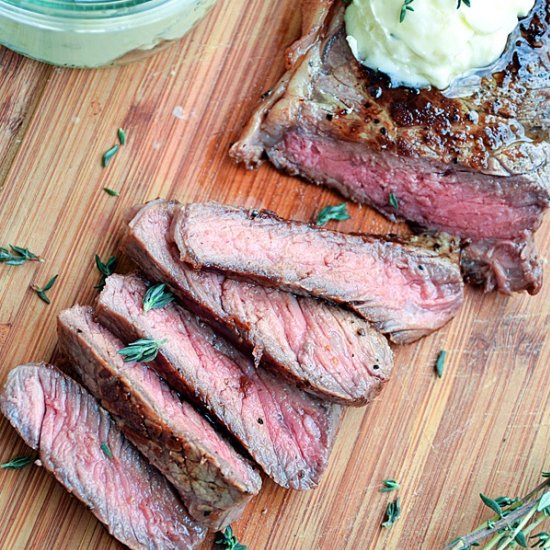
(472, 160)
(324, 349)
(79, 444)
(406, 291)
(286, 431)
(214, 481)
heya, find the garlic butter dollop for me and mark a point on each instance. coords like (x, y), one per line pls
(435, 43)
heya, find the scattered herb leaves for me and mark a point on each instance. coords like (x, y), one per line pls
(440, 363)
(106, 451)
(389, 485)
(491, 503)
(41, 291)
(157, 297)
(338, 212)
(108, 155)
(144, 350)
(121, 136)
(392, 201)
(18, 462)
(111, 192)
(393, 513)
(228, 541)
(404, 9)
(105, 269)
(17, 255)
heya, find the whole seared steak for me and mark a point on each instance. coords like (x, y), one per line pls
(324, 349)
(472, 161)
(80, 445)
(214, 481)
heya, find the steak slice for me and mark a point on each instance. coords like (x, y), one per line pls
(324, 349)
(286, 431)
(80, 445)
(406, 291)
(214, 481)
(472, 161)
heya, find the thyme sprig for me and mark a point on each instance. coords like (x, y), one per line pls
(105, 269)
(228, 541)
(338, 212)
(144, 350)
(157, 297)
(17, 255)
(41, 291)
(18, 462)
(514, 521)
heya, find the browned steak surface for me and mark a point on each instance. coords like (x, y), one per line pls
(406, 291)
(324, 349)
(472, 160)
(286, 431)
(79, 444)
(214, 481)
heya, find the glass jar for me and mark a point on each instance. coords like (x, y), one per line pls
(92, 33)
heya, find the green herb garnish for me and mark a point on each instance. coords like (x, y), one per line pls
(228, 541)
(440, 363)
(17, 256)
(109, 154)
(144, 350)
(121, 136)
(105, 269)
(393, 513)
(157, 297)
(41, 291)
(407, 7)
(389, 485)
(338, 213)
(392, 201)
(493, 504)
(18, 462)
(106, 450)
(111, 192)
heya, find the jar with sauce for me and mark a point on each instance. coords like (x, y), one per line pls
(95, 33)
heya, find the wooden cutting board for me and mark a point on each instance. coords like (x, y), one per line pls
(484, 427)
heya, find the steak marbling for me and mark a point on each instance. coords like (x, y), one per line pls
(74, 436)
(324, 349)
(472, 161)
(214, 481)
(406, 291)
(286, 431)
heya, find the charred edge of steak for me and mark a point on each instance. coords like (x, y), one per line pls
(232, 307)
(79, 444)
(213, 480)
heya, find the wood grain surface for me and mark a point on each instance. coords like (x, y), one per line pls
(483, 427)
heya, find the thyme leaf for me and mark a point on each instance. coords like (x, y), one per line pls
(389, 485)
(228, 541)
(338, 212)
(157, 297)
(392, 201)
(393, 513)
(18, 462)
(111, 192)
(105, 269)
(108, 155)
(17, 255)
(404, 9)
(41, 291)
(121, 136)
(440, 363)
(143, 350)
(493, 504)
(106, 451)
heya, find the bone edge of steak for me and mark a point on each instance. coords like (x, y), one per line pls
(166, 451)
(239, 331)
(75, 487)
